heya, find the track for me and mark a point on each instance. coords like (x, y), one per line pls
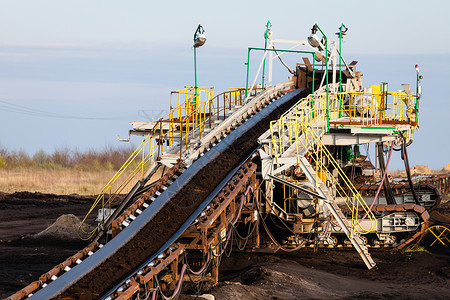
(411, 236)
(149, 232)
(429, 194)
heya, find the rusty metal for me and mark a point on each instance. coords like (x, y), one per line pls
(439, 183)
(436, 184)
(23, 293)
(144, 280)
(391, 208)
(204, 235)
(55, 271)
(142, 221)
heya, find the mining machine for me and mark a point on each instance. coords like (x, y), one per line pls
(269, 167)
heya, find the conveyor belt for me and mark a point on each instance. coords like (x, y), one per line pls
(153, 228)
(189, 221)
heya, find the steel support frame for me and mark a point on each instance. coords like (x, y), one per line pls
(205, 236)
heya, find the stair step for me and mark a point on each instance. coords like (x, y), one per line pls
(354, 237)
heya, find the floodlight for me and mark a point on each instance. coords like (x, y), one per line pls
(199, 37)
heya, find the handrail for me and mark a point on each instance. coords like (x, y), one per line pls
(372, 108)
(305, 124)
(353, 199)
(137, 162)
(440, 233)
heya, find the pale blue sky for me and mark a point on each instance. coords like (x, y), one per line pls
(106, 61)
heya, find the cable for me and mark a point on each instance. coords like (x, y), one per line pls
(202, 272)
(390, 199)
(278, 244)
(197, 284)
(381, 183)
(20, 109)
(273, 239)
(242, 243)
(203, 268)
(230, 232)
(177, 289)
(408, 173)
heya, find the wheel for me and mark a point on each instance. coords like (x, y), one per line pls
(332, 241)
(364, 240)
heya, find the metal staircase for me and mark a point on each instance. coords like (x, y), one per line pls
(296, 136)
(333, 208)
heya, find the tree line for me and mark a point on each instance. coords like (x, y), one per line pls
(109, 158)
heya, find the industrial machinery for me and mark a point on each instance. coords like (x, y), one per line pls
(266, 167)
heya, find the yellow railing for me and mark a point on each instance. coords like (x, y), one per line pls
(188, 118)
(371, 108)
(184, 101)
(355, 203)
(131, 171)
(306, 125)
(440, 233)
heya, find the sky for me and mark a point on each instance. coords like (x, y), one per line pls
(74, 73)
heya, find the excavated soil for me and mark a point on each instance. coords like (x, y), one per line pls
(325, 274)
(18, 209)
(24, 256)
(335, 274)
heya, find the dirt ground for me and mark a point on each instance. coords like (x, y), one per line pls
(325, 274)
(335, 274)
(23, 258)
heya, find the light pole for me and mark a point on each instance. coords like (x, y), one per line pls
(314, 41)
(418, 92)
(267, 35)
(342, 33)
(199, 40)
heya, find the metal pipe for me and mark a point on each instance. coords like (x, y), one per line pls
(248, 70)
(326, 76)
(195, 75)
(340, 70)
(340, 58)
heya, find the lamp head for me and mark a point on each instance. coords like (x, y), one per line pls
(342, 31)
(199, 37)
(268, 31)
(314, 40)
(199, 40)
